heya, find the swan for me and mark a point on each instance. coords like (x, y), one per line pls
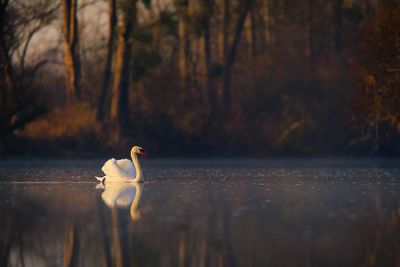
(123, 170)
(121, 195)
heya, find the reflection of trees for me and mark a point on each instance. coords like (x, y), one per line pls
(15, 222)
(120, 246)
(215, 233)
(382, 243)
(71, 247)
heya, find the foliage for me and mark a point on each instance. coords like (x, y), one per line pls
(376, 108)
(144, 56)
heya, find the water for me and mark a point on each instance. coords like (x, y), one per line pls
(202, 213)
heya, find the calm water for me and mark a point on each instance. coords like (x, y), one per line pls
(202, 213)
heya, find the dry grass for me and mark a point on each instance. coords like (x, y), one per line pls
(64, 122)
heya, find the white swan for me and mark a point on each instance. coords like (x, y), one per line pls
(121, 195)
(123, 170)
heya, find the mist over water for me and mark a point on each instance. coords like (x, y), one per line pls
(202, 213)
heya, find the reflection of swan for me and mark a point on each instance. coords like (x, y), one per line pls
(121, 195)
(123, 170)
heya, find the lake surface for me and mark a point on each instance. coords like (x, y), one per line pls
(202, 213)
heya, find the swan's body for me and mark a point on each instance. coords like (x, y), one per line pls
(121, 195)
(123, 170)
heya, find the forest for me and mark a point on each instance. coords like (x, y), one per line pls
(200, 78)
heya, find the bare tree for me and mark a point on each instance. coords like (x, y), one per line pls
(119, 93)
(184, 42)
(243, 8)
(71, 49)
(207, 12)
(105, 90)
(19, 23)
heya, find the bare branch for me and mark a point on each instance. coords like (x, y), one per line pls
(26, 46)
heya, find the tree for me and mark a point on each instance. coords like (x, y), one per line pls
(105, 89)
(7, 41)
(184, 42)
(119, 94)
(71, 49)
(19, 23)
(243, 9)
(207, 8)
(376, 108)
(338, 25)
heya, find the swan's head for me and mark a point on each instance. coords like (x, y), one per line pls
(138, 150)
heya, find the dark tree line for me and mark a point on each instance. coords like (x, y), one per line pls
(257, 76)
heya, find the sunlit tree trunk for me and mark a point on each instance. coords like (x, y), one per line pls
(253, 26)
(71, 48)
(119, 94)
(226, 22)
(251, 35)
(212, 97)
(184, 43)
(231, 56)
(105, 90)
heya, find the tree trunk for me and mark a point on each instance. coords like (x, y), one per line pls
(119, 94)
(262, 16)
(253, 28)
(338, 25)
(7, 81)
(212, 97)
(231, 57)
(184, 44)
(105, 90)
(6, 69)
(309, 32)
(251, 36)
(227, 10)
(71, 49)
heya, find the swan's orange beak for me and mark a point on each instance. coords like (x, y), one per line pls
(142, 153)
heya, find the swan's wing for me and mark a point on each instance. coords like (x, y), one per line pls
(127, 165)
(113, 170)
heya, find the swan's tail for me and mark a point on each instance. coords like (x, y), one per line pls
(101, 179)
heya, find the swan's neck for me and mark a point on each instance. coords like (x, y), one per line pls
(139, 175)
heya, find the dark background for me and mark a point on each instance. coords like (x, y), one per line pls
(200, 78)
